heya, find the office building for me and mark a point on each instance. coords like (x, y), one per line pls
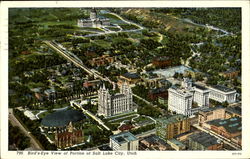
(171, 126)
(210, 114)
(188, 98)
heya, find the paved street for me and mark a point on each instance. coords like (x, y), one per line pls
(15, 122)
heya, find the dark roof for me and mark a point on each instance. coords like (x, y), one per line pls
(222, 88)
(158, 90)
(231, 125)
(62, 118)
(153, 139)
(236, 110)
(123, 137)
(131, 75)
(204, 139)
(199, 87)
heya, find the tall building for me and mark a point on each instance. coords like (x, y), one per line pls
(124, 141)
(109, 105)
(182, 99)
(201, 95)
(169, 127)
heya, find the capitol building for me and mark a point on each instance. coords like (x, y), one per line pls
(109, 105)
(93, 20)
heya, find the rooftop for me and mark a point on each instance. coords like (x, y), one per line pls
(123, 137)
(62, 118)
(209, 109)
(222, 88)
(158, 90)
(204, 139)
(199, 87)
(176, 142)
(236, 110)
(171, 119)
(153, 139)
(131, 75)
(231, 125)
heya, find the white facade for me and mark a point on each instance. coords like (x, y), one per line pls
(180, 101)
(124, 142)
(222, 94)
(109, 105)
(93, 21)
(201, 96)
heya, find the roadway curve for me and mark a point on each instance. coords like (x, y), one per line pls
(33, 142)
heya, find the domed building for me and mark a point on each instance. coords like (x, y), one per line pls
(62, 118)
(65, 126)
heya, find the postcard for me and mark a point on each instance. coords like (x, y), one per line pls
(127, 79)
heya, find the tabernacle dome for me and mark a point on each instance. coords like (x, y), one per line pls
(62, 118)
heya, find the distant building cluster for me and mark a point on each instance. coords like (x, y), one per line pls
(109, 105)
(162, 62)
(130, 78)
(93, 21)
(102, 60)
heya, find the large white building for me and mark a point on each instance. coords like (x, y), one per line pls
(93, 21)
(124, 141)
(222, 94)
(201, 95)
(109, 105)
(190, 98)
(180, 100)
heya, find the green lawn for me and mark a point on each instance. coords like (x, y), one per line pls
(128, 26)
(42, 115)
(113, 28)
(92, 29)
(121, 115)
(120, 120)
(142, 119)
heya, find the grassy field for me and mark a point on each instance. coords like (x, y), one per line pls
(121, 115)
(113, 28)
(42, 115)
(122, 119)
